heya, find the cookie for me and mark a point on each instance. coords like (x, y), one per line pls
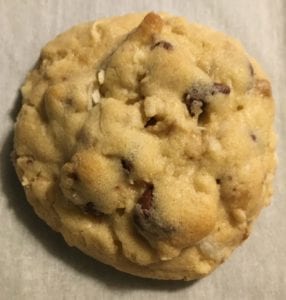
(148, 143)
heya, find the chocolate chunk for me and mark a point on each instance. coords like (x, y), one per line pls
(89, 208)
(126, 164)
(145, 201)
(218, 181)
(196, 98)
(166, 45)
(220, 88)
(151, 122)
(147, 221)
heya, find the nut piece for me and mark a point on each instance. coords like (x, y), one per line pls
(152, 24)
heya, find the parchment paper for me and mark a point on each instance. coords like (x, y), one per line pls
(35, 262)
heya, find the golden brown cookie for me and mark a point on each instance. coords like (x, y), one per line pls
(148, 143)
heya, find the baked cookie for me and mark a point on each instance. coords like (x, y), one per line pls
(148, 143)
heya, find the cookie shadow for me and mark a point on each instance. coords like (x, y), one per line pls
(54, 243)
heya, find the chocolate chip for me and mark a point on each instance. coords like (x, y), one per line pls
(220, 88)
(145, 201)
(126, 164)
(151, 122)
(253, 136)
(89, 208)
(166, 45)
(218, 181)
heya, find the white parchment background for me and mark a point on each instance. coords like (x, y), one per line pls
(35, 263)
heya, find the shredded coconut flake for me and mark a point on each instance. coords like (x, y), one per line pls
(25, 181)
(100, 76)
(95, 97)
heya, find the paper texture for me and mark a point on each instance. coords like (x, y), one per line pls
(35, 262)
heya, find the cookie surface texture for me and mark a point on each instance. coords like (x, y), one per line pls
(148, 143)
